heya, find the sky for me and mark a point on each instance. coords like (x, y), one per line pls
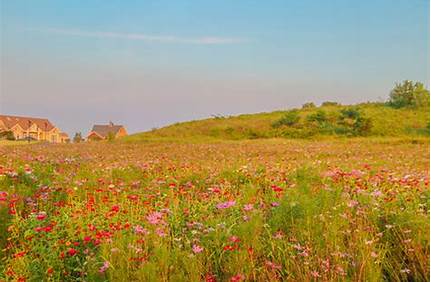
(146, 64)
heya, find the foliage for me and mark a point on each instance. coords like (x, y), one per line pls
(309, 105)
(409, 94)
(329, 104)
(319, 117)
(289, 119)
(110, 137)
(8, 135)
(353, 122)
(77, 138)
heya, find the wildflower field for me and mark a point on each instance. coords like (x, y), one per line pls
(261, 210)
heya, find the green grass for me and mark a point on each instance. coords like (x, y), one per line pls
(386, 122)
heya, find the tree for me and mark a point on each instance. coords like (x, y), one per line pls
(8, 135)
(329, 103)
(78, 138)
(309, 105)
(409, 94)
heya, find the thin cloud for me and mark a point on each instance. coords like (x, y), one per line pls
(207, 40)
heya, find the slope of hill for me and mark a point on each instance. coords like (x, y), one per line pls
(367, 119)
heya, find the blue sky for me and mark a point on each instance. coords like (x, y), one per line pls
(150, 63)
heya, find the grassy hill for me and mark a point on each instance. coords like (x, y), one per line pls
(315, 122)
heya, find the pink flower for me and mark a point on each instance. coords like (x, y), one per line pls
(155, 218)
(352, 203)
(226, 205)
(140, 230)
(275, 204)
(272, 265)
(160, 232)
(315, 274)
(248, 207)
(104, 267)
(197, 249)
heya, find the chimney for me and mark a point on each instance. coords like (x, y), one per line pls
(111, 123)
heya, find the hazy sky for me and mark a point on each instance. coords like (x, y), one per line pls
(149, 63)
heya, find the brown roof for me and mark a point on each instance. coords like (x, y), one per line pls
(10, 121)
(104, 130)
(64, 134)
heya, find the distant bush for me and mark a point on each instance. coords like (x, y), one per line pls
(352, 122)
(328, 103)
(319, 117)
(310, 105)
(409, 94)
(8, 135)
(289, 119)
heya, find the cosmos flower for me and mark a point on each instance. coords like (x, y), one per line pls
(197, 249)
(225, 205)
(104, 267)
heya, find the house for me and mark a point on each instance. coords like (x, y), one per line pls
(40, 129)
(101, 132)
(64, 138)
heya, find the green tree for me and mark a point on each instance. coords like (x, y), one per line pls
(409, 94)
(329, 103)
(309, 105)
(77, 138)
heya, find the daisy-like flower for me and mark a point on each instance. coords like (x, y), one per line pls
(197, 249)
(225, 205)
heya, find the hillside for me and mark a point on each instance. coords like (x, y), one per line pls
(367, 119)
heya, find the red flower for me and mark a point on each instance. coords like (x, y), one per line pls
(115, 208)
(20, 254)
(229, 248)
(41, 216)
(237, 278)
(50, 271)
(210, 278)
(71, 252)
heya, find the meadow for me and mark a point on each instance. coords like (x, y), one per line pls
(251, 210)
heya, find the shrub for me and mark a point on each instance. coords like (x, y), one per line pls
(320, 117)
(289, 119)
(309, 105)
(409, 94)
(352, 122)
(329, 103)
(8, 135)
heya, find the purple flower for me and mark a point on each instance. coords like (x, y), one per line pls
(248, 207)
(155, 218)
(225, 205)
